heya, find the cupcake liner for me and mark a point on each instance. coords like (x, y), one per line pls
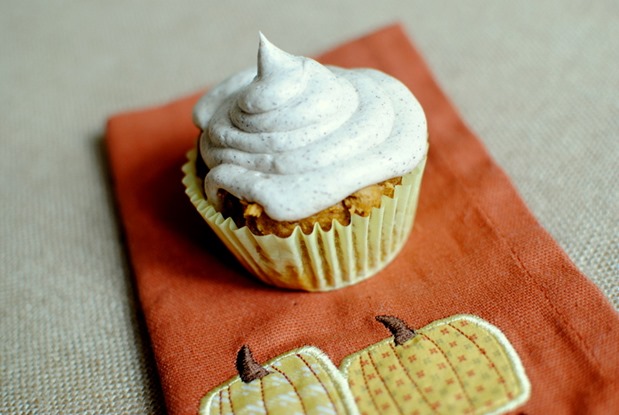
(322, 260)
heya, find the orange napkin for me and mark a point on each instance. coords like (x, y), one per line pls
(475, 249)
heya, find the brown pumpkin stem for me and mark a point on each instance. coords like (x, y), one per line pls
(249, 370)
(401, 332)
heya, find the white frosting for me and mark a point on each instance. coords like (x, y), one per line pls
(298, 137)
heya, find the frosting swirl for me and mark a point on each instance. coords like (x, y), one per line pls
(297, 137)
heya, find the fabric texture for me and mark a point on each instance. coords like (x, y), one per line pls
(475, 249)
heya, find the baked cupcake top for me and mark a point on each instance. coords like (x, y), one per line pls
(297, 137)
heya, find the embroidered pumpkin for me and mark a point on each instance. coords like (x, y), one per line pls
(459, 365)
(302, 381)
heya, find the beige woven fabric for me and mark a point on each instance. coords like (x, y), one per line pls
(536, 81)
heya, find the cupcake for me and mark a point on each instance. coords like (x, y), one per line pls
(309, 174)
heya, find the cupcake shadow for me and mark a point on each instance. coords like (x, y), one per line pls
(190, 248)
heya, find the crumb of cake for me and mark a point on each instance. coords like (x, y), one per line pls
(252, 215)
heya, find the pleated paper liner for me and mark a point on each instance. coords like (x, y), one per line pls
(322, 260)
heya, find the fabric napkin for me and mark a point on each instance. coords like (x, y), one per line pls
(475, 249)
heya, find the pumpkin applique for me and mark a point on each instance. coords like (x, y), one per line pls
(302, 381)
(458, 365)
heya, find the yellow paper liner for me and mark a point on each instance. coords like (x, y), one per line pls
(322, 260)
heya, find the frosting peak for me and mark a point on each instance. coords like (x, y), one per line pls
(288, 93)
(279, 78)
(272, 59)
(297, 136)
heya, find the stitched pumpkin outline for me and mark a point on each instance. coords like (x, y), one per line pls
(460, 364)
(302, 381)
